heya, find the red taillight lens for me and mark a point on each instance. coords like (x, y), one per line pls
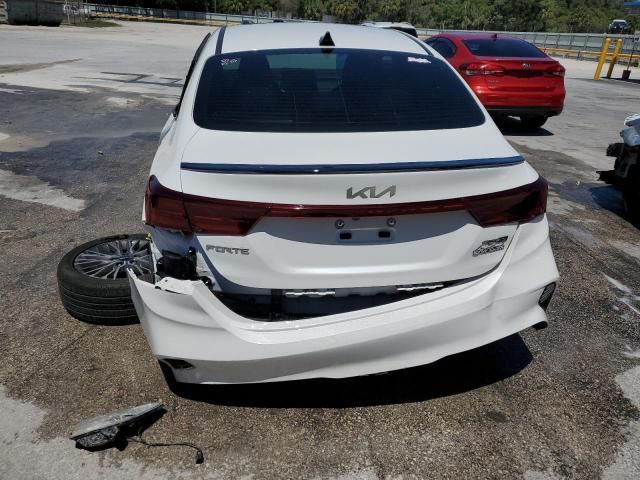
(169, 209)
(473, 69)
(223, 217)
(516, 205)
(556, 71)
(163, 207)
(190, 213)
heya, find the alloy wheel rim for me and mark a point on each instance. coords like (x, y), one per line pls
(111, 260)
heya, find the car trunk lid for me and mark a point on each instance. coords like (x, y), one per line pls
(525, 75)
(344, 216)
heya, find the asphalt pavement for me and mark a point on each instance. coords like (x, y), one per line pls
(80, 112)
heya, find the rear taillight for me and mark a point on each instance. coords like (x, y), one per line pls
(516, 205)
(190, 213)
(169, 209)
(556, 71)
(164, 207)
(478, 68)
(223, 217)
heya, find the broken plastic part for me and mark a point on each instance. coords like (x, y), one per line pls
(178, 266)
(104, 430)
(116, 428)
(100, 438)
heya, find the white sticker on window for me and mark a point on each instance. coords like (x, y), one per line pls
(417, 60)
(227, 61)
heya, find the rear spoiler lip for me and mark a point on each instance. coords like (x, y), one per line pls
(248, 168)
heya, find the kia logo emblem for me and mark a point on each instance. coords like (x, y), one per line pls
(371, 192)
(526, 65)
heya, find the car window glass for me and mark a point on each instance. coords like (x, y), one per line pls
(444, 47)
(345, 90)
(502, 47)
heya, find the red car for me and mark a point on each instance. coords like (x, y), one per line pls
(509, 76)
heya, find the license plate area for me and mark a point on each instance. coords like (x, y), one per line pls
(365, 230)
(365, 235)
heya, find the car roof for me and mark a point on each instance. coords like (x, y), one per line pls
(274, 36)
(476, 35)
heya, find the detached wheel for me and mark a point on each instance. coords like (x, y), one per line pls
(93, 282)
(532, 122)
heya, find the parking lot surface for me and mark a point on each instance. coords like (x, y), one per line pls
(80, 112)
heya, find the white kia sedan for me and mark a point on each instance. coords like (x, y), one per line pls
(332, 201)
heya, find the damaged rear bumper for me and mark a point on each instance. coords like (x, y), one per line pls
(184, 321)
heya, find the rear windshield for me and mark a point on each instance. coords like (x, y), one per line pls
(502, 47)
(306, 90)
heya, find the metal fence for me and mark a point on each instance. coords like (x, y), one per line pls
(207, 18)
(75, 12)
(580, 45)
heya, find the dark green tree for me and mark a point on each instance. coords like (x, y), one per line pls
(235, 6)
(312, 9)
(390, 10)
(347, 11)
(523, 15)
(578, 20)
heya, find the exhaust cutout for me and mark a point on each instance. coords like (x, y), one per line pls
(177, 363)
(547, 293)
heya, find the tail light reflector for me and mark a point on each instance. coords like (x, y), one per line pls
(478, 68)
(191, 213)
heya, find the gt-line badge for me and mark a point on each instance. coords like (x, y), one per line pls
(490, 246)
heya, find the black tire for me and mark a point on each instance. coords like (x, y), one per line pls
(96, 300)
(498, 118)
(532, 122)
(631, 197)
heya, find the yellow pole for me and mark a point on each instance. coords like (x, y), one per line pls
(603, 57)
(614, 59)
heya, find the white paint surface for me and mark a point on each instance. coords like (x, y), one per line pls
(619, 285)
(32, 189)
(628, 298)
(631, 353)
(627, 247)
(122, 102)
(629, 303)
